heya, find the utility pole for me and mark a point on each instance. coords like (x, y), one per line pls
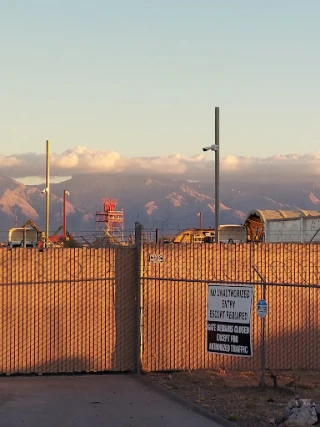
(200, 220)
(47, 190)
(215, 147)
(217, 175)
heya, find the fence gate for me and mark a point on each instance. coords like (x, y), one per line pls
(174, 285)
(68, 310)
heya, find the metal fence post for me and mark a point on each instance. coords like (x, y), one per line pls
(263, 332)
(138, 245)
(263, 339)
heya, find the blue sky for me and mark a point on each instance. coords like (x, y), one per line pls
(143, 77)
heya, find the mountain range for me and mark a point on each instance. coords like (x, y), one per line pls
(156, 202)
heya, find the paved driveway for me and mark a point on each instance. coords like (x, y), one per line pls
(89, 401)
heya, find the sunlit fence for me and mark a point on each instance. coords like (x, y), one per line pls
(145, 305)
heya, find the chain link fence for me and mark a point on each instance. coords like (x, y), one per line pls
(174, 285)
(144, 306)
(68, 310)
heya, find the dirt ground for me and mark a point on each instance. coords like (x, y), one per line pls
(237, 396)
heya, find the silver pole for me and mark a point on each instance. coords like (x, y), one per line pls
(263, 332)
(217, 176)
(138, 244)
(47, 191)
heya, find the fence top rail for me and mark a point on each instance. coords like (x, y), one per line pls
(222, 282)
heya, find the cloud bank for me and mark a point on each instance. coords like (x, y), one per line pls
(80, 160)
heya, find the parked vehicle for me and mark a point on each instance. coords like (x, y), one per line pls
(22, 237)
(29, 236)
(194, 235)
(229, 233)
(233, 233)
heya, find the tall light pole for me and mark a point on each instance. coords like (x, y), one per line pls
(217, 173)
(215, 147)
(65, 194)
(47, 190)
(200, 220)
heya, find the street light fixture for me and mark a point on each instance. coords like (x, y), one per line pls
(200, 220)
(215, 148)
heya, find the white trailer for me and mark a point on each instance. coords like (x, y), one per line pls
(233, 233)
(22, 237)
(295, 230)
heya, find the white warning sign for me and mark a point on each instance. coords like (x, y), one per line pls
(229, 320)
